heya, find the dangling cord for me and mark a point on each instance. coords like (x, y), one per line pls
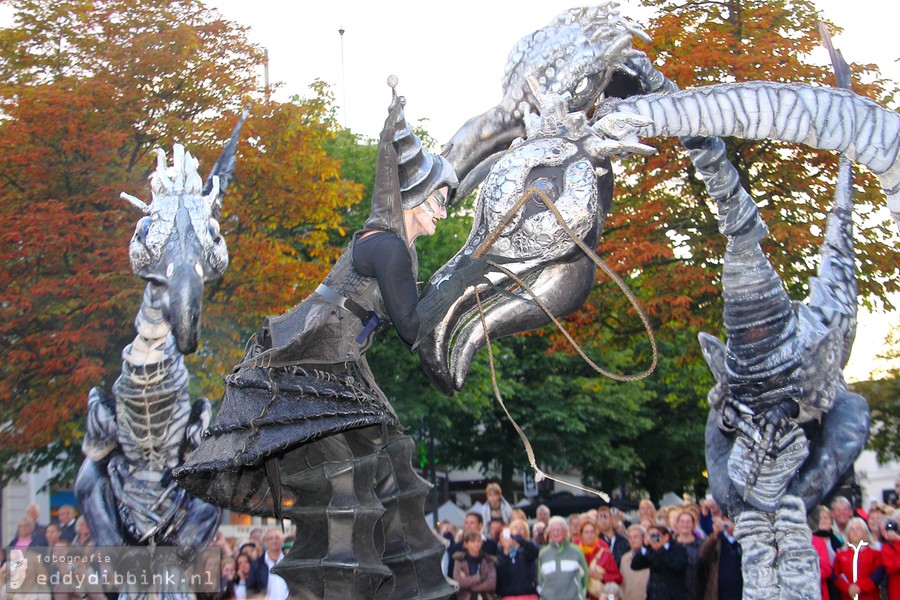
(486, 245)
(568, 336)
(539, 475)
(548, 202)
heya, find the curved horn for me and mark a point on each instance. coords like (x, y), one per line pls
(224, 167)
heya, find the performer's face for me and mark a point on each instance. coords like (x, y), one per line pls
(657, 538)
(472, 523)
(424, 217)
(685, 524)
(65, 514)
(557, 533)
(588, 534)
(51, 534)
(635, 539)
(857, 533)
(473, 546)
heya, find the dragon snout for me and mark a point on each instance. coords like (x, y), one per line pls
(182, 305)
(560, 287)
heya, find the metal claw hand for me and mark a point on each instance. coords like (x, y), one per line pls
(618, 134)
(772, 422)
(736, 415)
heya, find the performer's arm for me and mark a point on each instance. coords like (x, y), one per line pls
(386, 257)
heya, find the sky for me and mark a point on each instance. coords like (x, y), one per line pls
(449, 57)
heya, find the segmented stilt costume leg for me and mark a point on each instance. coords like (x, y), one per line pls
(412, 550)
(360, 496)
(334, 478)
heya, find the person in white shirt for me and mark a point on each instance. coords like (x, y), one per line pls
(261, 579)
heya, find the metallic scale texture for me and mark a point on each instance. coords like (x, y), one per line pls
(304, 431)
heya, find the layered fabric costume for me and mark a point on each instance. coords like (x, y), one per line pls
(304, 431)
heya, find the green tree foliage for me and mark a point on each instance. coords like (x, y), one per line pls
(883, 396)
(662, 233)
(284, 222)
(662, 237)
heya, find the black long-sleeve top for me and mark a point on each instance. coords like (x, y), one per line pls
(386, 257)
(667, 568)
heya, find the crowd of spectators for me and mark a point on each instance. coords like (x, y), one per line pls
(597, 555)
(683, 552)
(243, 571)
(859, 551)
(677, 552)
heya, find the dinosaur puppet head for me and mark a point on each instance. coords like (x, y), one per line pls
(518, 239)
(583, 55)
(177, 246)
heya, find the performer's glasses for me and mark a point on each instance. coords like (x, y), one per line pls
(440, 198)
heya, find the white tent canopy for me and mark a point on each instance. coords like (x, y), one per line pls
(671, 499)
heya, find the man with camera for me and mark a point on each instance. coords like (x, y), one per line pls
(721, 554)
(667, 561)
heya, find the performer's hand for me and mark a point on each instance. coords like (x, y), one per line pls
(437, 301)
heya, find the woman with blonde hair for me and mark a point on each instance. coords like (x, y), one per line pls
(863, 581)
(647, 510)
(517, 563)
(601, 563)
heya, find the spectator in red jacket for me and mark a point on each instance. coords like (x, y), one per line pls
(825, 568)
(870, 572)
(601, 562)
(890, 556)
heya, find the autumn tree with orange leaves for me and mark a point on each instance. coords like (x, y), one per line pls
(87, 90)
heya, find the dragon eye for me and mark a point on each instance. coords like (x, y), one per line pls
(585, 92)
(213, 229)
(582, 86)
(142, 228)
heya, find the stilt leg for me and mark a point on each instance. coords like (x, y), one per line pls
(798, 561)
(755, 532)
(411, 549)
(336, 556)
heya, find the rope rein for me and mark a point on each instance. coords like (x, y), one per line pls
(482, 250)
(539, 475)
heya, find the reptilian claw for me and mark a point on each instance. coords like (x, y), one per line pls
(773, 422)
(620, 126)
(618, 134)
(737, 415)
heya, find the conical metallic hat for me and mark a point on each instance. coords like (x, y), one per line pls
(406, 173)
(420, 171)
(387, 210)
